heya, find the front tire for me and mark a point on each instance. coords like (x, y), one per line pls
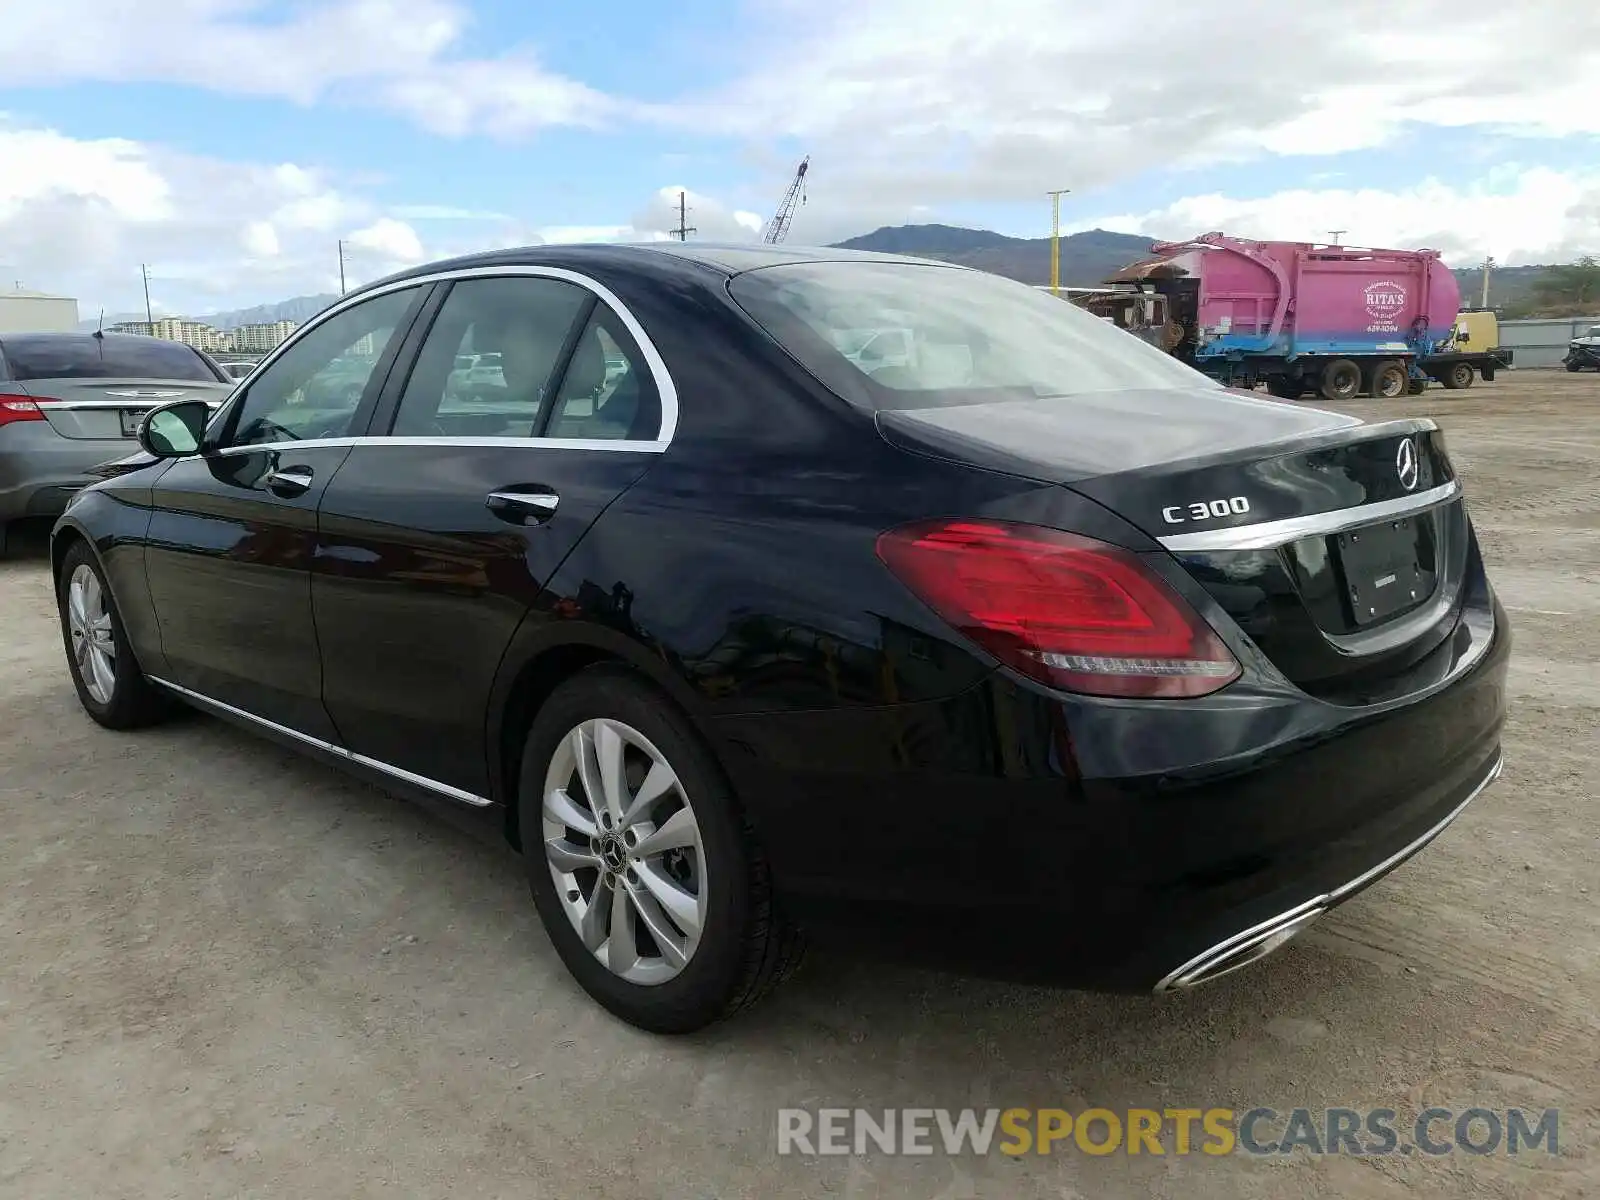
(111, 687)
(645, 873)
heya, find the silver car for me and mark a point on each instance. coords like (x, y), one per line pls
(71, 401)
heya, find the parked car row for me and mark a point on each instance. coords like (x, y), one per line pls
(1027, 650)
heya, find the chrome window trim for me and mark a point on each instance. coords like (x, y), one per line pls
(400, 773)
(1268, 535)
(665, 387)
(483, 443)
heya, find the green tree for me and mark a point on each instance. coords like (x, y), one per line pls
(1576, 285)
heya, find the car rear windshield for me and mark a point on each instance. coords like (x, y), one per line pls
(908, 335)
(89, 357)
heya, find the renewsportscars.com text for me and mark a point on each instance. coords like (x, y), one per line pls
(1175, 1131)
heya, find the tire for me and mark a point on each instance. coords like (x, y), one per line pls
(1389, 381)
(3, 537)
(1573, 367)
(1341, 380)
(1459, 377)
(1415, 387)
(718, 879)
(117, 695)
(1284, 388)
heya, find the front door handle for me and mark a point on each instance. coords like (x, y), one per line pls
(290, 481)
(523, 508)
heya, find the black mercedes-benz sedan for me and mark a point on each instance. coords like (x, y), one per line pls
(763, 595)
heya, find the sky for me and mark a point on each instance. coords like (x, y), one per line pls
(231, 144)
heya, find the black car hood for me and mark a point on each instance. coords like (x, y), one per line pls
(1065, 439)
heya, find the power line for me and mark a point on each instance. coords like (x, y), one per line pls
(684, 229)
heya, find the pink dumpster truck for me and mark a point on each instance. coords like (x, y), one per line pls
(1336, 321)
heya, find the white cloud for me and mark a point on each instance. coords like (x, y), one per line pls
(400, 54)
(391, 240)
(937, 102)
(1536, 215)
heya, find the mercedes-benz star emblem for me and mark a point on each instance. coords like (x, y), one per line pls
(1405, 463)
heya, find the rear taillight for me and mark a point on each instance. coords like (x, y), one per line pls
(1067, 610)
(15, 408)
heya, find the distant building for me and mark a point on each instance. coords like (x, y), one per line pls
(177, 329)
(259, 338)
(22, 311)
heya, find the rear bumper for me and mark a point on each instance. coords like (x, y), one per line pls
(1006, 833)
(40, 470)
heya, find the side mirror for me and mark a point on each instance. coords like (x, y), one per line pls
(174, 430)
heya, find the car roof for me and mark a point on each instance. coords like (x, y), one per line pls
(46, 340)
(723, 258)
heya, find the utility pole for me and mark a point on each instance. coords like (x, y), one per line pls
(1055, 239)
(1336, 234)
(144, 270)
(684, 229)
(1488, 265)
(341, 266)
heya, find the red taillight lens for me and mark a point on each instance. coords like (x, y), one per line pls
(1066, 610)
(15, 408)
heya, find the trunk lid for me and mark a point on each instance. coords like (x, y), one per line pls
(108, 409)
(1338, 548)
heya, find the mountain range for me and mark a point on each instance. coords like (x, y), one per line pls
(1086, 259)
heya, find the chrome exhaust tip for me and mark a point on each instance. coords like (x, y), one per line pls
(1241, 949)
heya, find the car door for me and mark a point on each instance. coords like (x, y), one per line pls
(435, 541)
(233, 529)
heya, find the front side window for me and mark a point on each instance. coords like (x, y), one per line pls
(313, 389)
(907, 336)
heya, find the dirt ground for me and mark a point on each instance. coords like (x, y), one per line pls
(227, 971)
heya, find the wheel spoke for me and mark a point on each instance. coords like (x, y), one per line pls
(679, 833)
(597, 917)
(682, 906)
(661, 931)
(75, 607)
(608, 750)
(559, 806)
(661, 780)
(566, 857)
(104, 675)
(80, 651)
(93, 606)
(621, 950)
(588, 769)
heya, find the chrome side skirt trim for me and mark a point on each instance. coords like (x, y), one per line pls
(1255, 942)
(422, 781)
(1268, 535)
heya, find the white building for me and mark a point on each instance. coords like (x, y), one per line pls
(260, 338)
(23, 311)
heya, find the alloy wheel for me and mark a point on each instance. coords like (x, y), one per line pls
(624, 849)
(94, 649)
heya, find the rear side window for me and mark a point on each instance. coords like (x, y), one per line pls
(889, 335)
(113, 357)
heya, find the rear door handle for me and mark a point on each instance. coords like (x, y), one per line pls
(523, 508)
(290, 481)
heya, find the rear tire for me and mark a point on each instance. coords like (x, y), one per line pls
(724, 945)
(111, 687)
(1341, 380)
(1416, 387)
(1459, 377)
(1573, 367)
(1284, 387)
(1389, 381)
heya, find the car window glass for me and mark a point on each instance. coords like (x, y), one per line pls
(909, 336)
(486, 365)
(114, 356)
(313, 389)
(608, 392)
